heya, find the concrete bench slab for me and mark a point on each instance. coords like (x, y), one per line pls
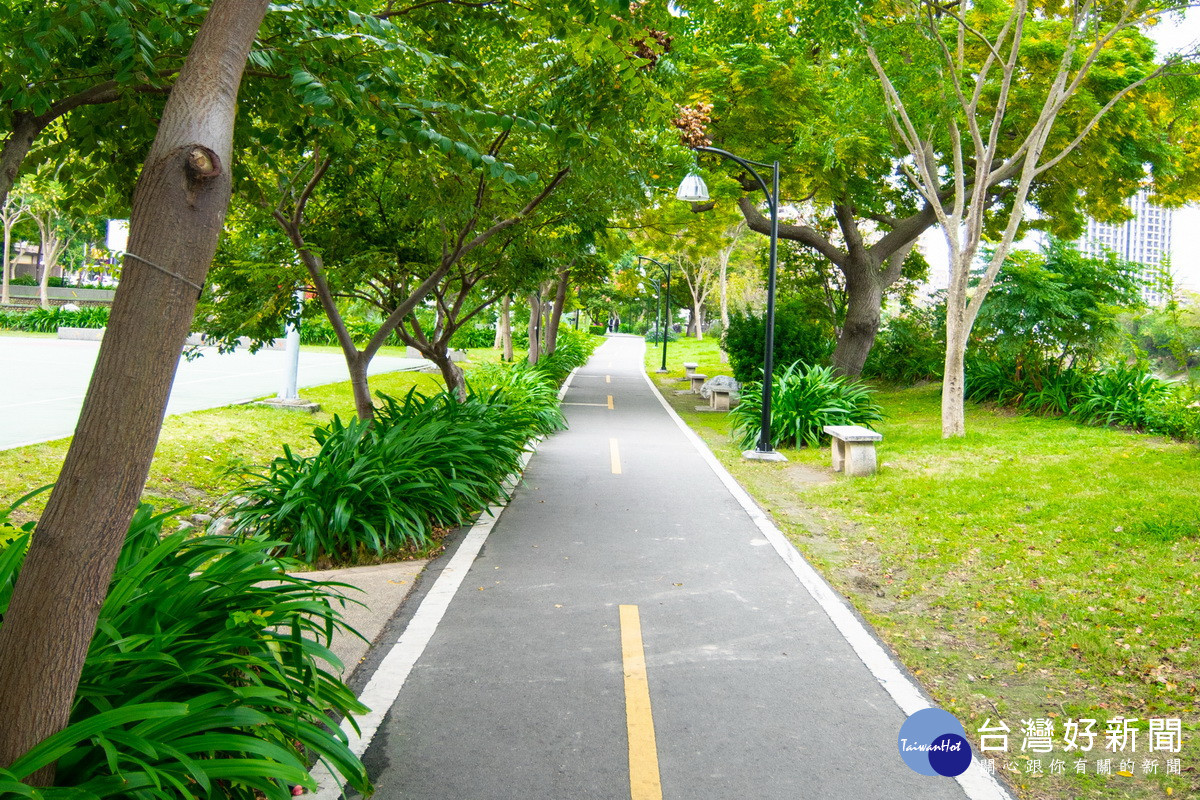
(690, 368)
(718, 400)
(697, 380)
(853, 449)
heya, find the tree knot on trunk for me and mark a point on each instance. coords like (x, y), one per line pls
(202, 163)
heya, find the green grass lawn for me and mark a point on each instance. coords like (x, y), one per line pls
(197, 451)
(1035, 569)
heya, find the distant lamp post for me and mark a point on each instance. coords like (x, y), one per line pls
(693, 190)
(667, 312)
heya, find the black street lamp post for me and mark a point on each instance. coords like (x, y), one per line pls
(693, 190)
(667, 312)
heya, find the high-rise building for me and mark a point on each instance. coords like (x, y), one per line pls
(1145, 239)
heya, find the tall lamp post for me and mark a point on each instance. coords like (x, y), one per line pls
(667, 313)
(693, 190)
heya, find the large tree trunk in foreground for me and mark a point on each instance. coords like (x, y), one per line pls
(178, 208)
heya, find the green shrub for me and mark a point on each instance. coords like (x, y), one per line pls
(804, 400)
(23, 280)
(466, 338)
(1120, 396)
(571, 350)
(1123, 395)
(910, 348)
(597, 330)
(522, 391)
(48, 320)
(655, 337)
(797, 338)
(1176, 415)
(205, 678)
(379, 488)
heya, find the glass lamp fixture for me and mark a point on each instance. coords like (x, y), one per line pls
(692, 190)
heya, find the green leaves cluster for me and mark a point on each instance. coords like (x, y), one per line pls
(1057, 304)
(804, 399)
(209, 675)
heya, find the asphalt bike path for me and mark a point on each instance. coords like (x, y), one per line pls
(627, 631)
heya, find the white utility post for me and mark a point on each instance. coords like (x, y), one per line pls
(289, 395)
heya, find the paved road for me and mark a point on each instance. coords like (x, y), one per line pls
(43, 382)
(622, 541)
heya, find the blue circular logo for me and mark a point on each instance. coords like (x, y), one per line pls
(932, 742)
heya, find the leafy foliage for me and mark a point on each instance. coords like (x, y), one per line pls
(48, 320)
(798, 337)
(804, 399)
(571, 350)
(208, 676)
(1058, 304)
(1118, 396)
(523, 392)
(910, 348)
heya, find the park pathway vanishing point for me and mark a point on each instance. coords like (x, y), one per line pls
(628, 631)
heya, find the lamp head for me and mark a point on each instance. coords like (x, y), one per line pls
(692, 190)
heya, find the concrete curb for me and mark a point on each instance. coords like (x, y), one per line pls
(977, 783)
(381, 690)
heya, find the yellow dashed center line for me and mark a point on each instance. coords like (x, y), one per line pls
(610, 404)
(644, 780)
(614, 452)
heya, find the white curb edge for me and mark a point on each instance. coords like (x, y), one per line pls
(976, 782)
(382, 690)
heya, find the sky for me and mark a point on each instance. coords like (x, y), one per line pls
(1174, 33)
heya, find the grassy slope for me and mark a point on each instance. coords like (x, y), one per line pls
(197, 450)
(1036, 568)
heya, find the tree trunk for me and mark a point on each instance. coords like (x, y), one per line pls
(560, 300)
(48, 253)
(364, 405)
(452, 374)
(501, 321)
(179, 205)
(864, 299)
(506, 330)
(6, 268)
(954, 378)
(535, 318)
(25, 128)
(724, 292)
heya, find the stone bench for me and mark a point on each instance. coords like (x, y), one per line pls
(718, 398)
(697, 380)
(690, 368)
(853, 449)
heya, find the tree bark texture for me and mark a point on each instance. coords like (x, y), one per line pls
(560, 300)
(25, 128)
(5, 268)
(178, 208)
(954, 377)
(864, 301)
(535, 319)
(504, 331)
(868, 269)
(452, 374)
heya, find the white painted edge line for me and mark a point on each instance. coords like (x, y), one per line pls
(975, 782)
(382, 690)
